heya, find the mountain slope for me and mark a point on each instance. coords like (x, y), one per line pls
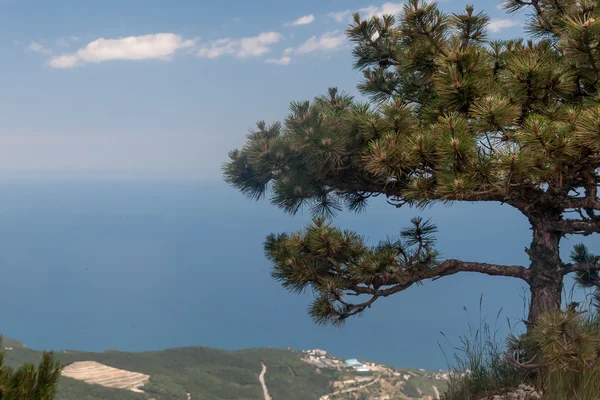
(211, 374)
(202, 372)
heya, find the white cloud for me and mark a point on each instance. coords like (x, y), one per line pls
(288, 50)
(242, 48)
(339, 16)
(281, 61)
(305, 20)
(160, 46)
(369, 12)
(496, 25)
(65, 61)
(385, 9)
(328, 41)
(38, 48)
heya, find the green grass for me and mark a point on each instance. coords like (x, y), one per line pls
(562, 351)
(483, 356)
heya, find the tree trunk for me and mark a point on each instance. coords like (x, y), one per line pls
(546, 273)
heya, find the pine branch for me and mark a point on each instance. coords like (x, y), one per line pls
(337, 265)
(576, 226)
(446, 268)
(583, 267)
(586, 266)
(581, 203)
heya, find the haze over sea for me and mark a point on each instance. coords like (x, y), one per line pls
(147, 265)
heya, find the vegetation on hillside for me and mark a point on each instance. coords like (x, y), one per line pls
(216, 374)
(211, 374)
(203, 372)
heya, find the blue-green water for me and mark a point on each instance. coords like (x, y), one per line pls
(141, 266)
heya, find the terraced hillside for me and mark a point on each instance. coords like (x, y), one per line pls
(97, 374)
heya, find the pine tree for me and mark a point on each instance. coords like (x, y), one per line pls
(30, 382)
(452, 116)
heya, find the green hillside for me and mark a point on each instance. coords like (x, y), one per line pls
(205, 373)
(202, 372)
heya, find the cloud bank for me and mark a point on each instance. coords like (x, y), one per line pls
(241, 48)
(160, 46)
(326, 42)
(163, 46)
(39, 48)
(368, 12)
(305, 20)
(285, 60)
(497, 25)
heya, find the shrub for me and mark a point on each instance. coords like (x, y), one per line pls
(562, 349)
(559, 355)
(30, 382)
(410, 389)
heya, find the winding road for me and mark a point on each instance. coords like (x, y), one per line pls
(261, 378)
(326, 397)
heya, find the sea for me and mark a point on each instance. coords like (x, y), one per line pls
(140, 265)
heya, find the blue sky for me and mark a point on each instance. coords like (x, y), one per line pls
(157, 89)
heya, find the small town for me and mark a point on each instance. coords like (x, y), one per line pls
(321, 359)
(363, 377)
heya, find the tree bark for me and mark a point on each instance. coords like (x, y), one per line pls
(546, 268)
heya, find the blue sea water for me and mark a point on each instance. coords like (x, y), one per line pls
(146, 265)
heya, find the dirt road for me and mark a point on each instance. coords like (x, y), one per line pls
(261, 378)
(326, 397)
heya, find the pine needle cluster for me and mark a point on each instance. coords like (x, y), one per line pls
(30, 382)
